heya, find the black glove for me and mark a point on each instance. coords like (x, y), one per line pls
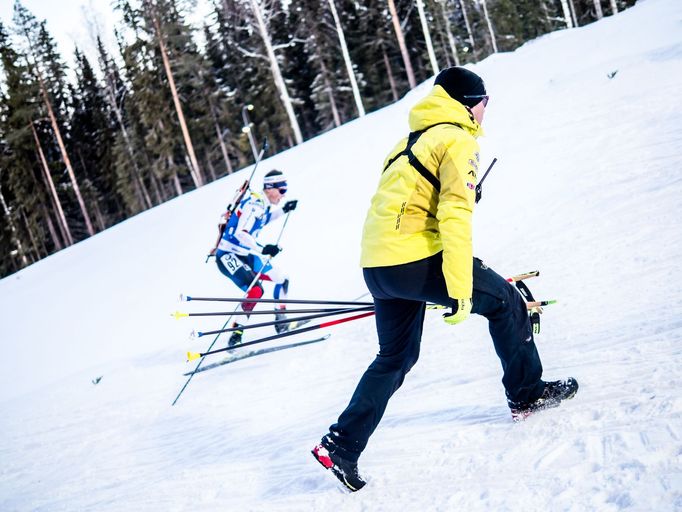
(289, 205)
(270, 250)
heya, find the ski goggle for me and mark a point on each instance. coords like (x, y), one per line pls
(483, 97)
(280, 185)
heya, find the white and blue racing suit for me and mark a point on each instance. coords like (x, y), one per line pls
(239, 256)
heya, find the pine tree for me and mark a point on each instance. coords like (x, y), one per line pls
(92, 137)
(47, 68)
(24, 226)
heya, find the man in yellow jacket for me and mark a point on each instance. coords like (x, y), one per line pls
(417, 248)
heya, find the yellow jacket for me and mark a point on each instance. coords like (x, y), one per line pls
(408, 219)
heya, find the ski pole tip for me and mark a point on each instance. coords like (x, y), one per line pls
(192, 356)
(178, 315)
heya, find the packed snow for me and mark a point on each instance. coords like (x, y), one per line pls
(587, 190)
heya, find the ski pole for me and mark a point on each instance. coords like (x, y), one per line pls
(247, 127)
(539, 303)
(178, 314)
(246, 293)
(286, 321)
(479, 187)
(529, 305)
(188, 298)
(191, 356)
(521, 277)
(227, 320)
(241, 191)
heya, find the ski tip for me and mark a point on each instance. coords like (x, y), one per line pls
(192, 356)
(179, 314)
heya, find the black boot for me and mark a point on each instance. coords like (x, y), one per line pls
(554, 393)
(281, 327)
(236, 337)
(345, 470)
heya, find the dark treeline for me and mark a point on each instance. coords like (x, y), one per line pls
(162, 113)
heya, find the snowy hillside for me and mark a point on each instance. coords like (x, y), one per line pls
(587, 189)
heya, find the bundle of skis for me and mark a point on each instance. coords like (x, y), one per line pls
(314, 310)
(320, 309)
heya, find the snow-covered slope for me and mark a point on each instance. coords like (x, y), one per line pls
(587, 189)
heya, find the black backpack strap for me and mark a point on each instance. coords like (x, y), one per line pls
(414, 161)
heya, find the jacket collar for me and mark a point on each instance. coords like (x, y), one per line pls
(439, 107)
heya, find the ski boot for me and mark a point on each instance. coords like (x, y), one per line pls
(281, 327)
(554, 393)
(236, 337)
(345, 470)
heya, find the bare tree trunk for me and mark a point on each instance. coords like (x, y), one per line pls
(53, 233)
(573, 14)
(490, 25)
(156, 188)
(328, 87)
(99, 217)
(15, 236)
(597, 8)
(63, 237)
(332, 99)
(66, 233)
(389, 73)
(468, 25)
(36, 249)
(614, 6)
(211, 170)
(58, 135)
(346, 59)
(277, 73)
(192, 172)
(65, 155)
(219, 134)
(448, 31)
(427, 37)
(401, 42)
(176, 184)
(142, 193)
(567, 13)
(548, 19)
(194, 163)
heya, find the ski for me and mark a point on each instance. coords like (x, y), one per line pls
(253, 353)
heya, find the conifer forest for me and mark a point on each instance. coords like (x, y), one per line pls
(171, 106)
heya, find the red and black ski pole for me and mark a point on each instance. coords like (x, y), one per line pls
(287, 321)
(191, 356)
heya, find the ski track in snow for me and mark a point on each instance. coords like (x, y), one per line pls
(587, 190)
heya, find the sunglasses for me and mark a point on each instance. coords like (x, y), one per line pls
(281, 187)
(483, 97)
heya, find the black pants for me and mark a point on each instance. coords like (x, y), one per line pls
(400, 293)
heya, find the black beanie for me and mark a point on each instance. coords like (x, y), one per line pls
(460, 82)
